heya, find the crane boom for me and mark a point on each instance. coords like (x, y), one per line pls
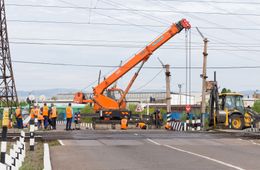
(143, 55)
(112, 107)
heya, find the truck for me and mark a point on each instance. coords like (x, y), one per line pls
(109, 101)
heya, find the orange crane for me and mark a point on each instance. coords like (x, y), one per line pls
(104, 102)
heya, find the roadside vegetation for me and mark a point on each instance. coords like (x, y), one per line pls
(33, 159)
(256, 106)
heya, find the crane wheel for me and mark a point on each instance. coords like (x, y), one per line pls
(237, 122)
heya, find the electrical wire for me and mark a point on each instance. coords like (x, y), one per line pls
(234, 44)
(147, 83)
(118, 24)
(124, 46)
(145, 67)
(123, 9)
(211, 1)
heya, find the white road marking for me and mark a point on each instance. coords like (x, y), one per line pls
(205, 157)
(255, 142)
(60, 141)
(150, 140)
(136, 134)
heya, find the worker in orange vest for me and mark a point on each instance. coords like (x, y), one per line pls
(124, 123)
(45, 113)
(19, 118)
(168, 126)
(40, 120)
(36, 111)
(53, 116)
(32, 113)
(141, 125)
(69, 114)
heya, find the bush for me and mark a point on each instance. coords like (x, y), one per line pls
(256, 106)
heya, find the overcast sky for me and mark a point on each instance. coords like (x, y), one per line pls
(104, 32)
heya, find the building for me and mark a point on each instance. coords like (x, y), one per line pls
(144, 97)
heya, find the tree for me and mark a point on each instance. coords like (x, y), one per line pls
(256, 106)
(224, 90)
(87, 109)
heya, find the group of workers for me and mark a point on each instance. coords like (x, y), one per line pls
(157, 120)
(124, 124)
(47, 117)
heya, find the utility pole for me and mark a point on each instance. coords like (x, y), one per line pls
(204, 76)
(8, 95)
(180, 85)
(168, 85)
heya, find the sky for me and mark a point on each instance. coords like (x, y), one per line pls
(104, 32)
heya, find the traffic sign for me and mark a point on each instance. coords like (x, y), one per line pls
(139, 108)
(188, 108)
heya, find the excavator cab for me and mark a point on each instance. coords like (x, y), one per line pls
(232, 104)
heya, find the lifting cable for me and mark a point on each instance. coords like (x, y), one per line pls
(188, 66)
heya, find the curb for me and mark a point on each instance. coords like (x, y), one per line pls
(46, 158)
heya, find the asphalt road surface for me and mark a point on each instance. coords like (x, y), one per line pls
(153, 150)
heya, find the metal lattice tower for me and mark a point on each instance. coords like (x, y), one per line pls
(8, 95)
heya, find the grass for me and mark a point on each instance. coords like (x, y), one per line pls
(54, 143)
(34, 159)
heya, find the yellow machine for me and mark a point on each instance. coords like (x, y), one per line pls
(228, 108)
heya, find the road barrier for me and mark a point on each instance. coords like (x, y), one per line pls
(32, 139)
(189, 125)
(193, 124)
(17, 154)
(177, 126)
(84, 125)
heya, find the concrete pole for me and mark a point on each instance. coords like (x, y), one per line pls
(204, 77)
(168, 87)
(179, 85)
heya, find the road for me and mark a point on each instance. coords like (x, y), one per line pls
(153, 150)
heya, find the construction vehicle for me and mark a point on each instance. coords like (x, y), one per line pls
(228, 109)
(110, 103)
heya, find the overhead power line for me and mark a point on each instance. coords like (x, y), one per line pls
(212, 1)
(130, 41)
(147, 67)
(118, 24)
(125, 9)
(222, 48)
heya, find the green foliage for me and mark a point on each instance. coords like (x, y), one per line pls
(87, 109)
(256, 106)
(224, 90)
(132, 108)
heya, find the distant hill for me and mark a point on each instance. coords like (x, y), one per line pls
(247, 92)
(48, 93)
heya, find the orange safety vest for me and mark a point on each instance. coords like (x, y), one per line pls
(45, 110)
(36, 112)
(53, 112)
(40, 117)
(32, 114)
(123, 123)
(68, 112)
(142, 125)
(18, 113)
